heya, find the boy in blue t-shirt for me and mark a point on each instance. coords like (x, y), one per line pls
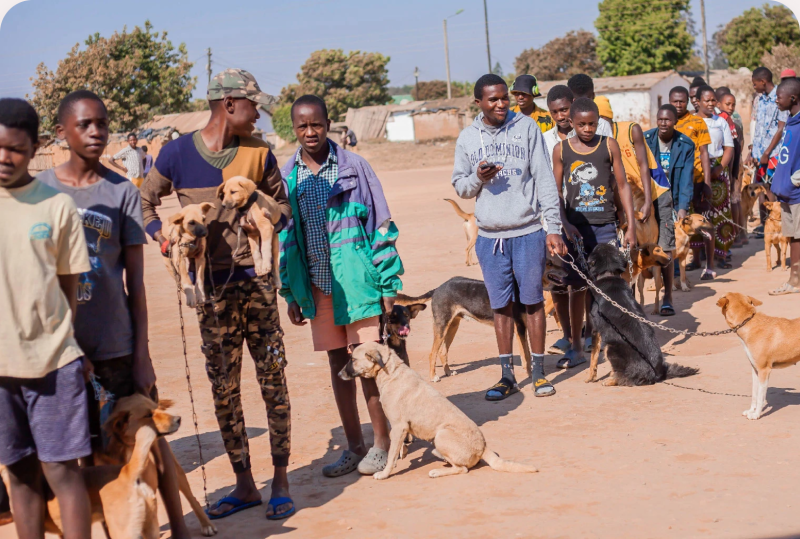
(786, 181)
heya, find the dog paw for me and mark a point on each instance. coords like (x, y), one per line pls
(685, 287)
(752, 415)
(433, 473)
(191, 299)
(380, 476)
(747, 412)
(435, 378)
(591, 379)
(209, 530)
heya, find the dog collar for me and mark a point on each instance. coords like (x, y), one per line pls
(745, 321)
(606, 274)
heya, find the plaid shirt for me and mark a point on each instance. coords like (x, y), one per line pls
(767, 118)
(312, 197)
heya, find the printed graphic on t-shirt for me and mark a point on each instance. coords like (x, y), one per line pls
(97, 227)
(40, 231)
(590, 199)
(665, 160)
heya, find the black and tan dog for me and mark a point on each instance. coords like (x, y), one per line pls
(630, 345)
(460, 298)
(397, 327)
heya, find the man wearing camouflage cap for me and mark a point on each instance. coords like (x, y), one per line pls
(195, 165)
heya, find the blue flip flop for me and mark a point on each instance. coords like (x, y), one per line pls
(238, 505)
(275, 502)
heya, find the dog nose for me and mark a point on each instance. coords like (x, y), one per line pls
(178, 421)
(202, 232)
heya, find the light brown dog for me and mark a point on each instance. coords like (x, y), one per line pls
(685, 228)
(261, 212)
(123, 497)
(414, 407)
(750, 195)
(187, 231)
(470, 229)
(644, 257)
(123, 424)
(774, 237)
(769, 342)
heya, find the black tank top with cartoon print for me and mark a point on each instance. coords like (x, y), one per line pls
(588, 184)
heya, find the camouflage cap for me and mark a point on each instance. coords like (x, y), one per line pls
(238, 83)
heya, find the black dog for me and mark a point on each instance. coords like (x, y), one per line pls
(631, 346)
(397, 327)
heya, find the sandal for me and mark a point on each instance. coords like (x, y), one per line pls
(723, 264)
(501, 390)
(667, 310)
(346, 464)
(784, 289)
(560, 346)
(236, 503)
(543, 388)
(275, 502)
(587, 344)
(374, 462)
(708, 275)
(692, 266)
(569, 360)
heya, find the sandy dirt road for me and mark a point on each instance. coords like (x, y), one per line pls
(614, 462)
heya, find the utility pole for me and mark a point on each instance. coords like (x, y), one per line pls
(208, 65)
(416, 83)
(705, 40)
(447, 60)
(486, 23)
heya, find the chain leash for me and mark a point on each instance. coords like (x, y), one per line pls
(705, 390)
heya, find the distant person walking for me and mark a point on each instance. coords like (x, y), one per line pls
(132, 161)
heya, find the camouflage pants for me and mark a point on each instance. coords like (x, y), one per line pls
(247, 311)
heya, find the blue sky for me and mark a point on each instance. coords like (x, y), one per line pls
(273, 39)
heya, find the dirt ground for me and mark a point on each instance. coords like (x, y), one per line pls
(655, 461)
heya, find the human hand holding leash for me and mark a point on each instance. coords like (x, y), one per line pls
(296, 314)
(629, 239)
(570, 231)
(487, 171)
(556, 246)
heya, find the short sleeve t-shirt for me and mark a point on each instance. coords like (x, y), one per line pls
(41, 238)
(696, 129)
(111, 215)
(721, 136)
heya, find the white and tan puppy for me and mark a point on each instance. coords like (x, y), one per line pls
(261, 212)
(770, 343)
(187, 231)
(413, 407)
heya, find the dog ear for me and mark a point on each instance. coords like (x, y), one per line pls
(754, 302)
(220, 191)
(176, 219)
(206, 207)
(645, 250)
(768, 205)
(723, 301)
(165, 404)
(376, 357)
(687, 220)
(248, 185)
(117, 422)
(416, 309)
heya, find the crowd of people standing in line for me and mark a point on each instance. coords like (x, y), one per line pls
(555, 181)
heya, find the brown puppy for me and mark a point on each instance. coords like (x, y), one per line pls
(262, 212)
(769, 342)
(413, 407)
(470, 228)
(124, 496)
(122, 425)
(187, 231)
(684, 230)
(774, 236)
(644, 257)
(750, 195)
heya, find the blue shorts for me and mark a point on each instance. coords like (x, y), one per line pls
(593, 235)
(45, 416)
(513, 266)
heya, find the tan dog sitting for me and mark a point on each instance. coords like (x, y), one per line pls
(770, 343)
(261, 212)
(414, 407)
(187, 231)
(773, 236)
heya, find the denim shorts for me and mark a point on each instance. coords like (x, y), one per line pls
(45, 416)
(513, 268)
(593, 235)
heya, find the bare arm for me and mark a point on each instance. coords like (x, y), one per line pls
(143, 373)
(727, 156)
(624, 190)
(558, 172)
(113, 163)
(705, 162)
(69, 285)
(644, 170)
(776, 139)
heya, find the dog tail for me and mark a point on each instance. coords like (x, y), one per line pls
(679, 371)
(402, 299)
(496, 463)
(461, 213)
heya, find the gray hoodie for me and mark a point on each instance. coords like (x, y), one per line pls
(519, 196)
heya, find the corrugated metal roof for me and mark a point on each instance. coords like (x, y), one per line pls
(184, 122)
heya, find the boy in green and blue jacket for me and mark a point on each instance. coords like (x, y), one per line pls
(339, 268)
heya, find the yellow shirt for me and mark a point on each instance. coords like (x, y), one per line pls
(696, 129)
(624, 137)
(540, 116)
(41, 238)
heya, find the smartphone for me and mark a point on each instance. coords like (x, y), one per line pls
(485, 166)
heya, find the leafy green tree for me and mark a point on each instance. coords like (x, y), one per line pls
(746, 38)
(137, 74)
(562, 57)
(642, 36)
(436, 89)
(355, 79)
(282, 122)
